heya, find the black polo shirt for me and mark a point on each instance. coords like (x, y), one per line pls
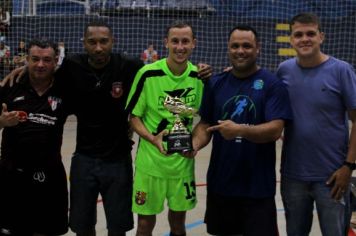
(38, 140)
(102, 130)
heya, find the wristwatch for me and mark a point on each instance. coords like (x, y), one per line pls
(351, 166)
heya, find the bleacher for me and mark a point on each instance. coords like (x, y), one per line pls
(49, 7)
(103, 7)
(248, 8)
(136, 23)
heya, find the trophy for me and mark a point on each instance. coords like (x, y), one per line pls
(179, 138)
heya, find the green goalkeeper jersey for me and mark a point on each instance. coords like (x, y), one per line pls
(152, 84)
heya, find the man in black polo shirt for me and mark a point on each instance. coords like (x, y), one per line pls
(97, 83)
(33, 183)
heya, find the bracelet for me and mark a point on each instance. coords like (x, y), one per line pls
(350, 165)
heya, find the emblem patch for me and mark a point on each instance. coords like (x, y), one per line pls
(116, 90)
(22, 116)
(54, 102)
(258, 84)
(140, 197)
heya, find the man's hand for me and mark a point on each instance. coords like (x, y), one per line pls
(339, 181)
(157, 141)
(13, 76)
(7, 118)
(227, 128)
(205, 71)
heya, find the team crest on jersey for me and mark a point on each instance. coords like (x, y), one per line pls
(140, 198)
(116, 89)
(258, 84)
(54, 102)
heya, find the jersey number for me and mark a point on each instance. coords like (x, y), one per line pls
(190, 189)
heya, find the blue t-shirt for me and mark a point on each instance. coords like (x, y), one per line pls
(239, 167)
(315, 143)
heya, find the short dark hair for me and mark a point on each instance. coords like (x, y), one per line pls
(179, 24)
(97, 23)
(42, 43)
(244, 27)
(305, 18)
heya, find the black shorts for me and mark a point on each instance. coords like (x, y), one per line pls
(238, 215)
(33, 200)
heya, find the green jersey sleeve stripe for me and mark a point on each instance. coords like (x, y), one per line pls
(139, 87)
(193, 74)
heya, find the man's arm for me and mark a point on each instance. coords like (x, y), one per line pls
(201, 136)
(351, 155)
(138, 126)
(262, 133)
(14, 76)
(341, 177)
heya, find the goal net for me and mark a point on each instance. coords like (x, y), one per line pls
(137, 23)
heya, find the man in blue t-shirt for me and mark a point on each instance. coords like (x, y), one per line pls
(244, 110)
(317, 156)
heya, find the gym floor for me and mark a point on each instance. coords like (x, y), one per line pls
(194, 222)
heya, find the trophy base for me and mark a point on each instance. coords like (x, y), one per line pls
(179, 142)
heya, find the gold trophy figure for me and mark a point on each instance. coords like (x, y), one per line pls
(179, 138)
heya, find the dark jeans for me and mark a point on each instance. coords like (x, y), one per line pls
(113, 180)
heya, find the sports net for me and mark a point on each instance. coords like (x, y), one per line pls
(137, 23)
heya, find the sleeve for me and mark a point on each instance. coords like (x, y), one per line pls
(64, 83)
(280, 72)
(348, 89)
(207, 103)
(136, 100)
(277, 102)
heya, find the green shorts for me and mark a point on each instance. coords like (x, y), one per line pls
(150, 192)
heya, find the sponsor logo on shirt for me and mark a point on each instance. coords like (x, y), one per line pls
(21, 98)
(184, 95)
(41, 119)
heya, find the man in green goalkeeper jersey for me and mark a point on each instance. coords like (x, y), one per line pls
(160, 176)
